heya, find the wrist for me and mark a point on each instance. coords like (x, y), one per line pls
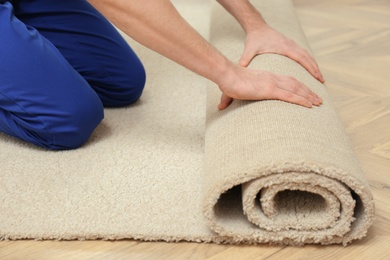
(223, 72)
(253, 21)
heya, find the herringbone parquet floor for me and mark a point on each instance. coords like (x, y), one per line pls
(351, 41)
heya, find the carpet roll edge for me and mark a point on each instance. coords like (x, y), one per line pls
(224, 235)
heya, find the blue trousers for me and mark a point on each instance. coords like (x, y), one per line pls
(61, 62)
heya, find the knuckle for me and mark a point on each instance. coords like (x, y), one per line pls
(293, 80)
(302, 55)
(294, 88)
(288, 95)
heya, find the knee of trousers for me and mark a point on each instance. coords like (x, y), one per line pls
(122, 89)
(54, 129)
(76, 128)
(134, 88)
(61, 128)
(118, 81)
(73, 127)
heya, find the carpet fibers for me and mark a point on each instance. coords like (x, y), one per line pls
(172, 167)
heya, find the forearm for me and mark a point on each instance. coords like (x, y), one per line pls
(158, 26)
(245, 13)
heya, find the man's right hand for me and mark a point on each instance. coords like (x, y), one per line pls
(247, 84)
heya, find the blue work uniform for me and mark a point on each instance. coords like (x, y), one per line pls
(61, 62)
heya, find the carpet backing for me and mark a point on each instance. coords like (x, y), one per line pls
(172, 167)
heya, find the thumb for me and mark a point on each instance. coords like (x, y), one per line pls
(225, 102)
(246, 57)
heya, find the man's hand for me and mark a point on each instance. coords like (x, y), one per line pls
(247, 84)
(271, 86)
(267, 40)
(260, 39)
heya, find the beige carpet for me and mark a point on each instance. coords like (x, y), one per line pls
(172, 167)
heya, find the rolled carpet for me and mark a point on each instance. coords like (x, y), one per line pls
(257, 172)
(300, 180)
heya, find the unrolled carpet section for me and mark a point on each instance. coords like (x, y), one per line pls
(172, 167)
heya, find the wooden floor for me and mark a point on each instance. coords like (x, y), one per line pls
(351, 40)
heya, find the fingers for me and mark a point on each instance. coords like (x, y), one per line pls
(293, 91)
(290, 90)
(290, 97)
(296, 87)
(225, 102)
(311, 65)
(304, 58)
(315, 70)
